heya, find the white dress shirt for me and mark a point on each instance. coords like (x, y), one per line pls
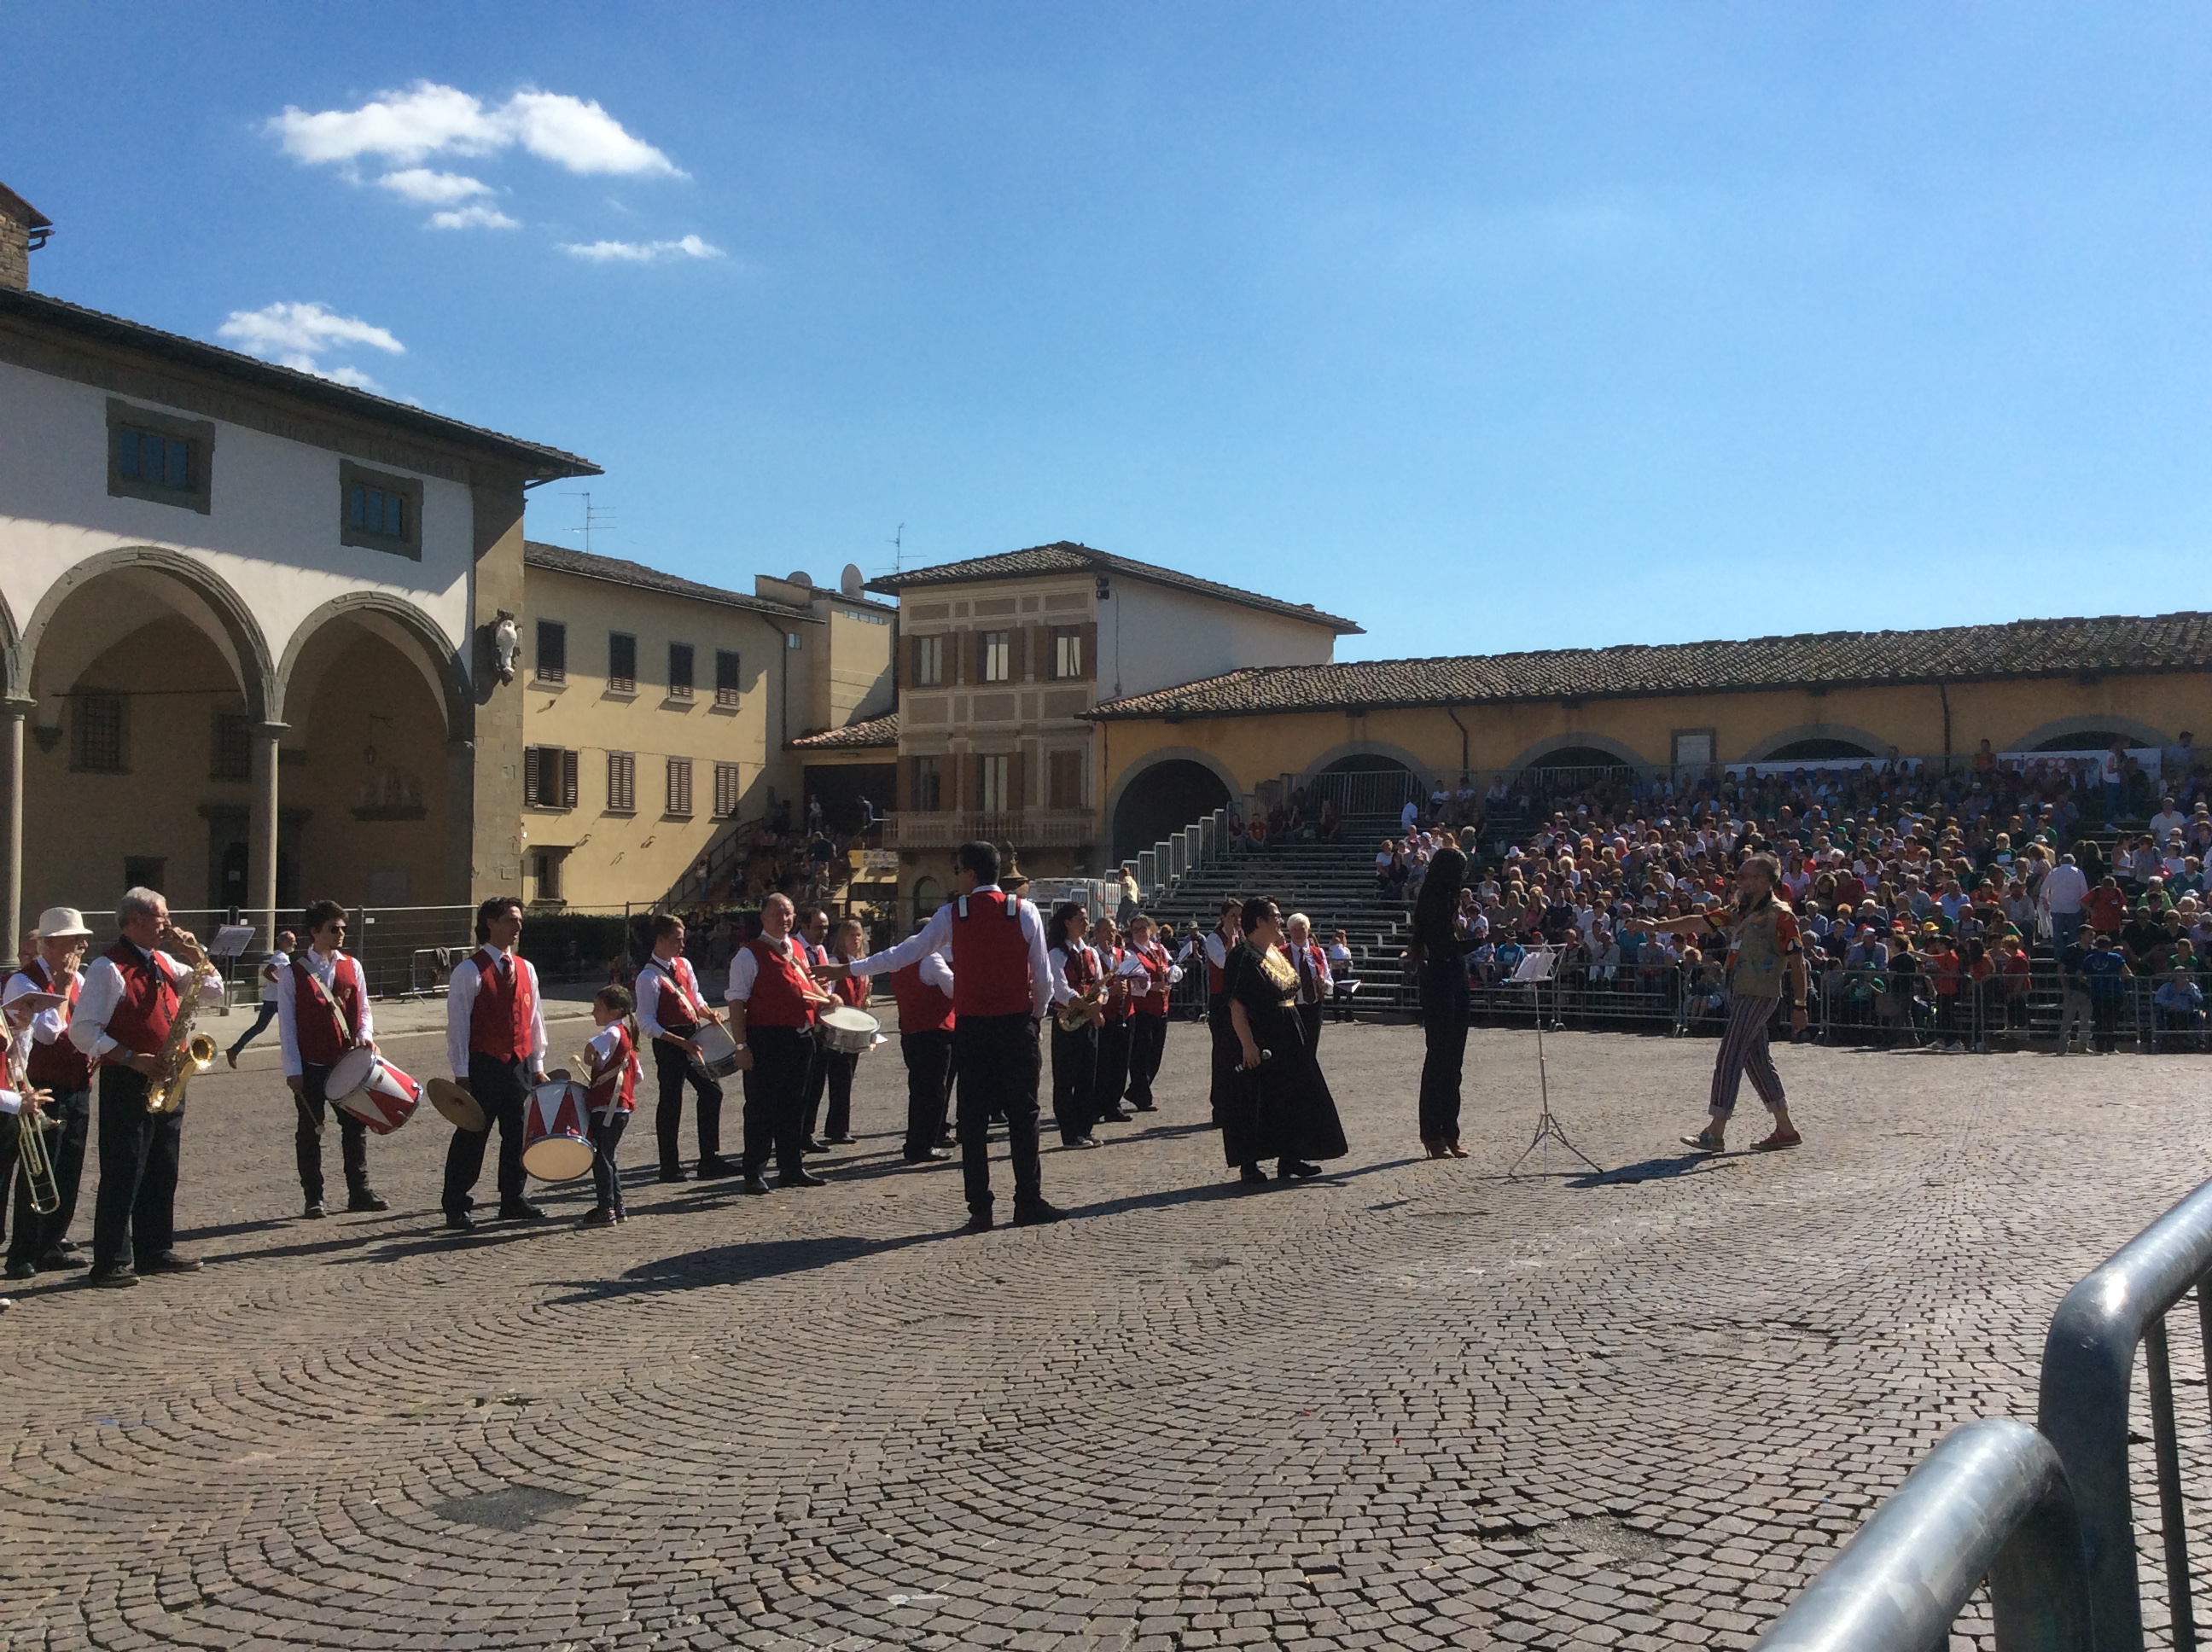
(660, 975)
(103, 990)
(324, 970)
(48, 1026)
(936, 935)
(936, 972)
(461, 1003)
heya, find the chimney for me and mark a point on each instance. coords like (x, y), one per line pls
(23, 230)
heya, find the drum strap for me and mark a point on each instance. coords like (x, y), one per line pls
(696, 1012)
(324, 993)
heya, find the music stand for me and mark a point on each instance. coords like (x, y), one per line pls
(1535, 969)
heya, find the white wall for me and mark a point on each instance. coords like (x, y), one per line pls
(271, 532)
(1164, 637)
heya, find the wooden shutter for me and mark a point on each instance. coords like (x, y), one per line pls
(911, 666)
(1016, 800)
(530, 776)
(567, 779)
(903, 793)
(1090, 650)
(967, 783)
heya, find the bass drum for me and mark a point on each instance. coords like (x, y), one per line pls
(557, 1145)
(366, 1086)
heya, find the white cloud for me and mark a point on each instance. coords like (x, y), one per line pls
(690, 246)
(434, 188)
(580, 135)
(473, 217)
(301, 335)
(428, 119)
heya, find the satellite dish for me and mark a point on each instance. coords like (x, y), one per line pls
(850, 581)
(801, 576)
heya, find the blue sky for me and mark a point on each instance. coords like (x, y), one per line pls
(1490, 326)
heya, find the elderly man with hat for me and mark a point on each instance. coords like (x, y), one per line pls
(38, 1002)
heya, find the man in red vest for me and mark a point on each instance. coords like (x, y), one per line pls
(495, 1043)
(322, 1012)
(130, 996)
(773, 1001)
(924, 991)
(670, 1010)
(1002, 988)
(38, 1241)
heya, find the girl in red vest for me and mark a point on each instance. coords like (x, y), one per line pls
(850, 942)
(612, 1098)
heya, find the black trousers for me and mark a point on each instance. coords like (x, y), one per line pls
(607, 1129)
(501, 1091)
(998, 1072)
(928, 1088)
(266, 1014)
(833, 1069)
(311, 1107)
(1148, 1041)
(675, 1070)
(775, 1097)
(1444, 1024)
(818, 1076)
(1113, 1068)
(30, 1234)
(1310, 1019)
(134, 1211)
(1075, 1080)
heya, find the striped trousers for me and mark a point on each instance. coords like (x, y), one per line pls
(1743, 1050)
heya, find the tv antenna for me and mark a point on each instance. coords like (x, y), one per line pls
(897, 543)
(598, 517)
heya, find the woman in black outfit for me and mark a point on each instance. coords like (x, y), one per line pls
(1276, 1104)
(1439, 953)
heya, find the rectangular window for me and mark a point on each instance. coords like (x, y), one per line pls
(232, 758)
(374, 512)
(622, 782)
(680, 786)
(552, 652)
(158, 456)
(928, 662)
(998, 656)
(379, 511)
(925, 783)
(679, 673)
(96, 745)
(1067, 651)
(621, 662)
(549, 777)
(157, 461)
(992, 772)
(727, 681)
(729, 791)
(1064, 778)
(546, 865)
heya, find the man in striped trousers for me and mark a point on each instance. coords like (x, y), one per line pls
(1763, 953)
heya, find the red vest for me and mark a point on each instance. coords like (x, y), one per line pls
(990, 956)
(1128, 1006)
(499, 1021)
(315, 1024)
(921, 1007)
(679, 991)
(140, 1024)
(60, 1066)
(1316, 961)
(1080, 968)
(614, 1081)
(853, 989)
(1156, 965)
(1217, 983)
(779, 985)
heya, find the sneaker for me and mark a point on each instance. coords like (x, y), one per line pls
(316, 1210)
(752, 1185)
(111, 1279)
(1777, 1141)
(598, 1217)
(1705, 1142)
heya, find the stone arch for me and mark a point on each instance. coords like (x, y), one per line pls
(1134, 822)
(1165, 754)
(14, 668)
(2043, 735)
(1382, 748)
(401, 624)
(1534, 755)
(1875, 747)
(257, 672)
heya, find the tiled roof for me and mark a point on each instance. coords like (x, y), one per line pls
(1065, 557)
(559, 559)
(543, 463)
(2116, 645)
(13, 205)
(853, 737)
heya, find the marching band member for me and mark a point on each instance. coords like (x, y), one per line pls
(1114, 970)
(495, 1044)
(130, 996)
(19, 1107)
(1223, 940)
(1074, 1049)
(812, 929)
(611, 1097)
(1002, 987)
(1316, 984)
(1148, 1027)
(322, 1012)
(272, 967)
(670, 1008)
(851, 942)
(924, 990)
(38, 1243)
(773, 1001)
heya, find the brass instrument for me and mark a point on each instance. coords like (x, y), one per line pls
(1077, 1010)
(184, 1052)
(42, 1186)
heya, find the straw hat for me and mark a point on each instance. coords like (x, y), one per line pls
(61, 924)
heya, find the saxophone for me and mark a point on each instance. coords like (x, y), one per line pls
(184, 1052)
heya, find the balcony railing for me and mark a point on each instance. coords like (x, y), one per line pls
(1022, 828)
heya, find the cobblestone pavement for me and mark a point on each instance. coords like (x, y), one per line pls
(1413, 1405)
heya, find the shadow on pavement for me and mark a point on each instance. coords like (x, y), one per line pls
(1652, 1169)
(764, 1259)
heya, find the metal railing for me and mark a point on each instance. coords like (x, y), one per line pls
(911, 829)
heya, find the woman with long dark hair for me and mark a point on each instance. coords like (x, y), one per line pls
(1439, 950)
(1074, 968)
(1276, 1104)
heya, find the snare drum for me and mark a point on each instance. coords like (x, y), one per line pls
(848, 1032)
(557, 1146)
(370, 1089)
(718, 1051)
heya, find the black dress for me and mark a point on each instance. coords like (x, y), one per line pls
(1283, 1108)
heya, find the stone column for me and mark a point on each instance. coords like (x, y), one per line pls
(261, 837)
(460, 842)
(13, 711)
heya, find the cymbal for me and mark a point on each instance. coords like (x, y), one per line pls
(455, 1104)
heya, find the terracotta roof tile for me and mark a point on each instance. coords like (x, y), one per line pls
(876, 732)
(2115, 645)
(559, 559)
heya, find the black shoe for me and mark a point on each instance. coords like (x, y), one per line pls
(520, 1210)
(58, 1261)
(802, 1179)
(25, 1269)
(366, 1199)
(810, 1145)
(1079, 1141)
(841, 1141)
(932, 1155)
(714, 1169)
(111, 1279)
(460, 1222)
(598, 1217)
(1037, 1215)
(672, 1173)
(1116, 1116)
(752, 1185)
(171, 1261)
(68, 1247)
(1143, 1107)
(316, 1210)
(946, 1139)
(979, 1223)
(1296, 1168)
(1253, 1174)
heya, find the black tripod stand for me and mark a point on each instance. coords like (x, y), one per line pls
(1548, 1128)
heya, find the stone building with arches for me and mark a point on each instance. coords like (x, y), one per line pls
(250, 628)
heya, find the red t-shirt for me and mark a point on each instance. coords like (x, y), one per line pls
(2106, 908)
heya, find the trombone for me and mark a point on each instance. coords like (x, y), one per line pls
(40, 1181)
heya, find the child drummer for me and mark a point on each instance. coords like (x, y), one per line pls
(612, 1097)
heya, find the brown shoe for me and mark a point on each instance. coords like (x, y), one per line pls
(1777, 1141)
